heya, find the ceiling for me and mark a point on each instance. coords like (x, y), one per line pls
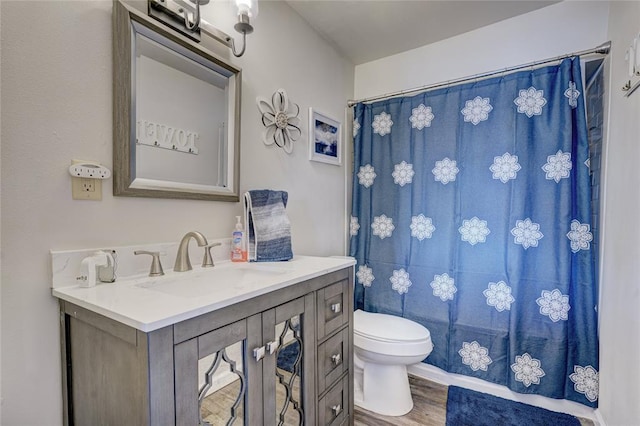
(365, 30)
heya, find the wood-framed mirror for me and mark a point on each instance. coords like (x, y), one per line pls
(176, 114)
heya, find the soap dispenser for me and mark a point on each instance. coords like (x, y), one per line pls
(238, 243)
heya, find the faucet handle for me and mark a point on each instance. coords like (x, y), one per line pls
(207, 261)
(156, 266)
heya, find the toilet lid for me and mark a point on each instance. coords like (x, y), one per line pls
(388, 328)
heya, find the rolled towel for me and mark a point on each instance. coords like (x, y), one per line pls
(269, 229)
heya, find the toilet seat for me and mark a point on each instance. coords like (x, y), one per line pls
(390, 335)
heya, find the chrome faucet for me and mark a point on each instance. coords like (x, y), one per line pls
(182, 259)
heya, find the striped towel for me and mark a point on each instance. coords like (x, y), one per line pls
(269, 229)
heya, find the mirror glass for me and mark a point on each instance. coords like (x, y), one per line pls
(289, 407)
(222, 387)
(176, 114)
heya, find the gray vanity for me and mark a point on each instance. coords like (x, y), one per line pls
(147, 351)
(249, 343)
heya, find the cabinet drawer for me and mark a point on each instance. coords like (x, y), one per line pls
(333, 408)
(333, 359)
(333, 308)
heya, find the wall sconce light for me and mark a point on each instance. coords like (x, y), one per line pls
(184, 16)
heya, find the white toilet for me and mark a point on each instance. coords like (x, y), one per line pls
(384, 345)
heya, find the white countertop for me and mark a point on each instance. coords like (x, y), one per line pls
(148, 304)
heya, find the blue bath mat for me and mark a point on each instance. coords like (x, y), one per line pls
(287, 356)
(469, 408)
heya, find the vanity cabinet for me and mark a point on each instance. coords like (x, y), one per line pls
(281, 358)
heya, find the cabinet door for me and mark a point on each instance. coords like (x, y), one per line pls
(289, 367)
(217, 380)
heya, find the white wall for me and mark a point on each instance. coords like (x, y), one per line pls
(566, 27)
(555, 30)
(1, 399)
(620, 289)
(57, 105)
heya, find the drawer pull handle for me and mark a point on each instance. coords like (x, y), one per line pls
(336, 410)
(336, 358)
(272, 347)
(336, 307)
(258, 353)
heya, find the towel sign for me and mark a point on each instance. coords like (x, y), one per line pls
(167, 137)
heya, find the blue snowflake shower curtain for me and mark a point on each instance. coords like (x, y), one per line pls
(471, 215)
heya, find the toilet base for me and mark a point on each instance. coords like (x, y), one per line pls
(383, 389)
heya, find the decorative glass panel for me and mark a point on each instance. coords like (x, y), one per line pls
(289, 410)
(222, 387)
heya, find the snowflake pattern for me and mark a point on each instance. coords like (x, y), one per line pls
(475, 356)
(585, 380)
(382, 226)
(580, 236)
(530, 101)
(527, 370)
(445, 171)
(527, 233)
(400, 281)
(356, 127)
(421, 227)
(421, 117)
(354, 226)
(558, 166)
(554, 304)
(499, 296)
(443, 287)
(365, 276)
(382, 124)
(402, 173)
(505, 167)
(474, 231)
(572, 94)
(366, 175)
(477, 110)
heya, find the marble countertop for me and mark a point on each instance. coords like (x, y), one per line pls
(150, 303)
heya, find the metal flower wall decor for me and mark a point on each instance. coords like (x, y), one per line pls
(280, 118)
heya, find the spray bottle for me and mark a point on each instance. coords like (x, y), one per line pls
(238, 243)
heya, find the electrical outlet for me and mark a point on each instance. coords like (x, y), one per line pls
(86, 188)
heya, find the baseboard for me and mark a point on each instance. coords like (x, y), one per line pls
(437, 375)
(600, 420)
(221, 380)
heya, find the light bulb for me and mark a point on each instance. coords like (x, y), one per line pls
(247, 7)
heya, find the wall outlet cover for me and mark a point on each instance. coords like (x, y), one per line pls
(85, 188)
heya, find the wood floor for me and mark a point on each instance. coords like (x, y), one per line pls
(429, 398)
(429, 409)
(216, 408)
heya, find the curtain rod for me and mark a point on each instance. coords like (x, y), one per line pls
(603, 49)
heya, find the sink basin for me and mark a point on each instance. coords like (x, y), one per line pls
(208, 281)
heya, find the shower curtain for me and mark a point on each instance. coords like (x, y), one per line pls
(471, 216)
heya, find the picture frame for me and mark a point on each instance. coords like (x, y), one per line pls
(325, 138)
